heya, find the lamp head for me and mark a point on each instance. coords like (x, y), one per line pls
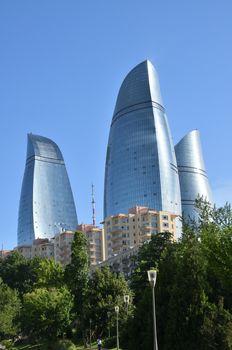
(116, 309)
(126, 299)
(152, 277)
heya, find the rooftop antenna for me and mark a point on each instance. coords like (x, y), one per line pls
(93, 207)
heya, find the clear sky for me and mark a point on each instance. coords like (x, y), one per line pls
(62, 63)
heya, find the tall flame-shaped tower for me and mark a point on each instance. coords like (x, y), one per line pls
(192, 173)
(141, 168)
(46, 198)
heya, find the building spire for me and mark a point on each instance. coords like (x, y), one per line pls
(93, 207)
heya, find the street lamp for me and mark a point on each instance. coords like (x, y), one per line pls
(108, 317)
(126, 301)
(117, 311)
(90, 331)
(152, 280)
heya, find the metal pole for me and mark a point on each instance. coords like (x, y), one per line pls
(154, 319)
(117, 333)
(90, 335)
(108, 318)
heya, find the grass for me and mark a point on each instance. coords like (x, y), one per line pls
(40, 347)
(29, 347)
(81, 347)
(94, 347)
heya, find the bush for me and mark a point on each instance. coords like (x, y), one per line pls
(6, 343)
(64, 345)
(110, 342)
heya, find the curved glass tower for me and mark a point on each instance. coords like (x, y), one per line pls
(141, 164)
(192, 174)
(46, 197)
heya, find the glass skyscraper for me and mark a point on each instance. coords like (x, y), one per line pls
(192, 173)
(46, 200)
(141, 168)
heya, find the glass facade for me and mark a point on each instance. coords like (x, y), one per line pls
(141, 168)
(193, 177)
(46, 198)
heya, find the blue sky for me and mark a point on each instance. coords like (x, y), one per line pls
(61, 66)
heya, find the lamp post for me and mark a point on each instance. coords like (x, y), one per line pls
(126, 301)
(90, 335)
(152, 280)
(117, 311)
(108, 317)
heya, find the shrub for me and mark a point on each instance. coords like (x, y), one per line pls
(110, 342)
(64, 345)
(7, 344)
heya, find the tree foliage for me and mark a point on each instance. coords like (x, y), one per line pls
(46, 312)
(49, 274)
(220, 217)
(9, 311)
(193, 290)
(77, 272)
(18, 272)
(105, 291)
(77, 276)
(148, 257)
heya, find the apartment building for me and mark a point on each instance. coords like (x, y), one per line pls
(5, 253)
(62, 247)
(41, 247)
(95, 238)
(59, 248)
(126, 231)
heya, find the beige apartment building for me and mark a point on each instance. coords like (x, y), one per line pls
(62, 247)
(95, 238)
(41, 247)
(59, 248)
(25, 250)
(126, 231)
(121, 233)
(63, 242)
(5, 253)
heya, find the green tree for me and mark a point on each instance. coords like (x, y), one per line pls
(187, 294)
(9, 311)
(148, 257)
(105, 291)
(216, 243)
(220, 217)
(216, 329)
(77, 275)
(193, 289)
(49, 274)
(46, 313)
(140, 327)
(18, 272)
